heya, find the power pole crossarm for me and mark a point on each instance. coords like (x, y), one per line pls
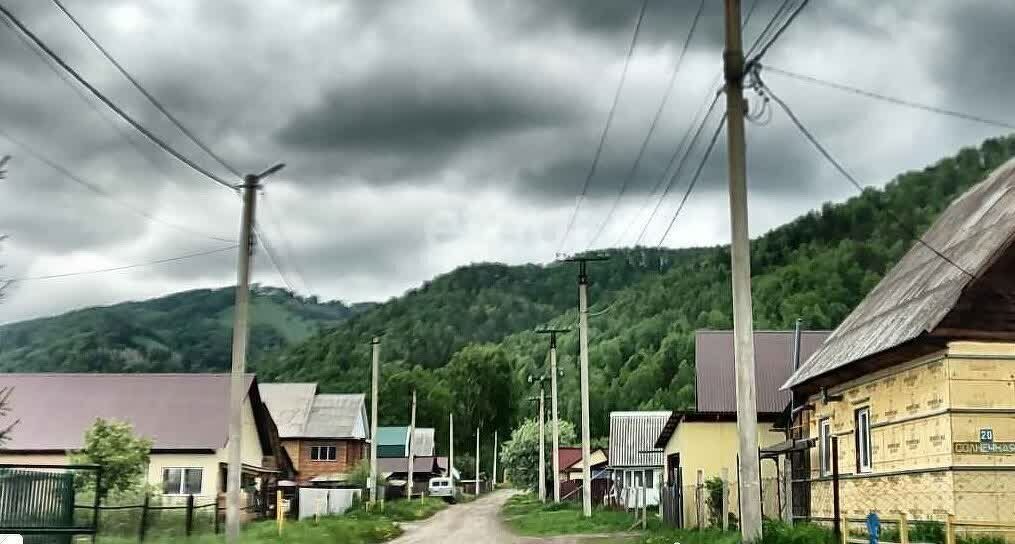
(740, 255)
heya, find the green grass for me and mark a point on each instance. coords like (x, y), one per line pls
(525, 515)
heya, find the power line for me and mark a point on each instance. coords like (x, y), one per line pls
(652, 127)
(779, 13)
(775, 37)
(126, 267)
(262, 240)
(891, 99)
(842, 170)
(102, 192)
(680, 167)
(286, 246)
(606, 128)
(137, 85)
(694, 180)
(109, 103)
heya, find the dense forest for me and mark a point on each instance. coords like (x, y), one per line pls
(189, 331)
(464, 340)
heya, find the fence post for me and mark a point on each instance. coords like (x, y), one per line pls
(836, 511)
(644, 507)
(95, 513)
(950, 529)
(698, 498)
(725, 499)
(279, 511)
(190, 515)
(144, 519)
(844, 530)
(903, 528)
(787, 489)
(215, 511)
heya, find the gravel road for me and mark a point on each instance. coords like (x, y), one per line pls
(479, 522)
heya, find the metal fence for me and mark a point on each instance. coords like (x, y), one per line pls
(715, 502)
(39, 501)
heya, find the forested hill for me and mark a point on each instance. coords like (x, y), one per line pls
(189, 331)
(817, 267)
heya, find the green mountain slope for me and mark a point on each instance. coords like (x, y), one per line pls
(183, 332)
(817, 267)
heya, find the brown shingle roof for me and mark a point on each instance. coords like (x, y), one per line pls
(176, 411)
(913, 298)
(715, 378)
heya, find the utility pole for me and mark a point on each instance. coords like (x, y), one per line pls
(477, 461)
(583, 345)
(495, 458)
(542, 443)
(375, 378)
(451, 448)
(740, 256)
(554, 422)
(237, 374)
(412, 431)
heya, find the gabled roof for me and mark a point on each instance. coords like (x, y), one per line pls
(715, 374)
(423, 441)
(916, 295)
(633, 437)
(300, 412)
(176, 411)
(568, 456)
(392, 436)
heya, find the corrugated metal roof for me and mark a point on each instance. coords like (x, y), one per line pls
(423, 441)
(392, 436)
(633, 437)
(568, 456)
(299, 412)
(176, 411)
(715, 372)
(922, 288)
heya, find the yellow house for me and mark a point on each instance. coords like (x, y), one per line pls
(915, 390)
(185, 416)
(705, 439)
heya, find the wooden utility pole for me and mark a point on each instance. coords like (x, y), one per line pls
(740, 255)
(583, 341)
(554, 422)
(237, 377)
(542, 443)
(412, 431)
(375, 378)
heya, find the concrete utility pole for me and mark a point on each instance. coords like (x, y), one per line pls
(740, 253)
(554, 422)
(495, 457)
(542, 443)
(412, 431)
(237, 377)
(583, 341)
(375, 378)
(477, 461)
(451, 448)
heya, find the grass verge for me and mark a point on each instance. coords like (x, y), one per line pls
(525, 515)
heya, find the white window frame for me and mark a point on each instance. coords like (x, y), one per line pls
(825, 448)
(862, 421)
(330, 453)
(183, 480)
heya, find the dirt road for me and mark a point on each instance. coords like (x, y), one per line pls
(479, 522)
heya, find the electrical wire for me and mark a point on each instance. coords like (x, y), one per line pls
(125, 267)
(606, 128)
(652, 127)
(110, 104)
(137, 85)
(102, 192)
(694, 180)
(775, 37)
(849, 177)
(891, 99)
(286, 246)
(262, 241)
(779, 13)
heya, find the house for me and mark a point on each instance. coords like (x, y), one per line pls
(706, 438)
(326, 435)
(184, 415)
(634, 460)
(916, 387)
(570, 462)
(393, 442)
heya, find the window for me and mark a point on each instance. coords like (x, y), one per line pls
(863, 440)
(638, 478)
(323, 453)
(649, 480)
(181, 481)
(825, 451)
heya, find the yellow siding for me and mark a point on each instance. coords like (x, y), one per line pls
(712, 446)
(207, 462)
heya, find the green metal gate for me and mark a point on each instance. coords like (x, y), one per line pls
(39, 501)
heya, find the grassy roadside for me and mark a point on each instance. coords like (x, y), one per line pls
(358, 526)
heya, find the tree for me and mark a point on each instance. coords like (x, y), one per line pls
(123, 456)
(520, 455)
(5, 410)
(481, 384)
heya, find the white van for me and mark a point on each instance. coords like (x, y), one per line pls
(443, 488)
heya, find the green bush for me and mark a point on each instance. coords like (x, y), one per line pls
(778, 532)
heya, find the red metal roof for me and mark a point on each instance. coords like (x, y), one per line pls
(568, 456)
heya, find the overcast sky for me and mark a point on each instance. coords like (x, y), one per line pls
(421, 135)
